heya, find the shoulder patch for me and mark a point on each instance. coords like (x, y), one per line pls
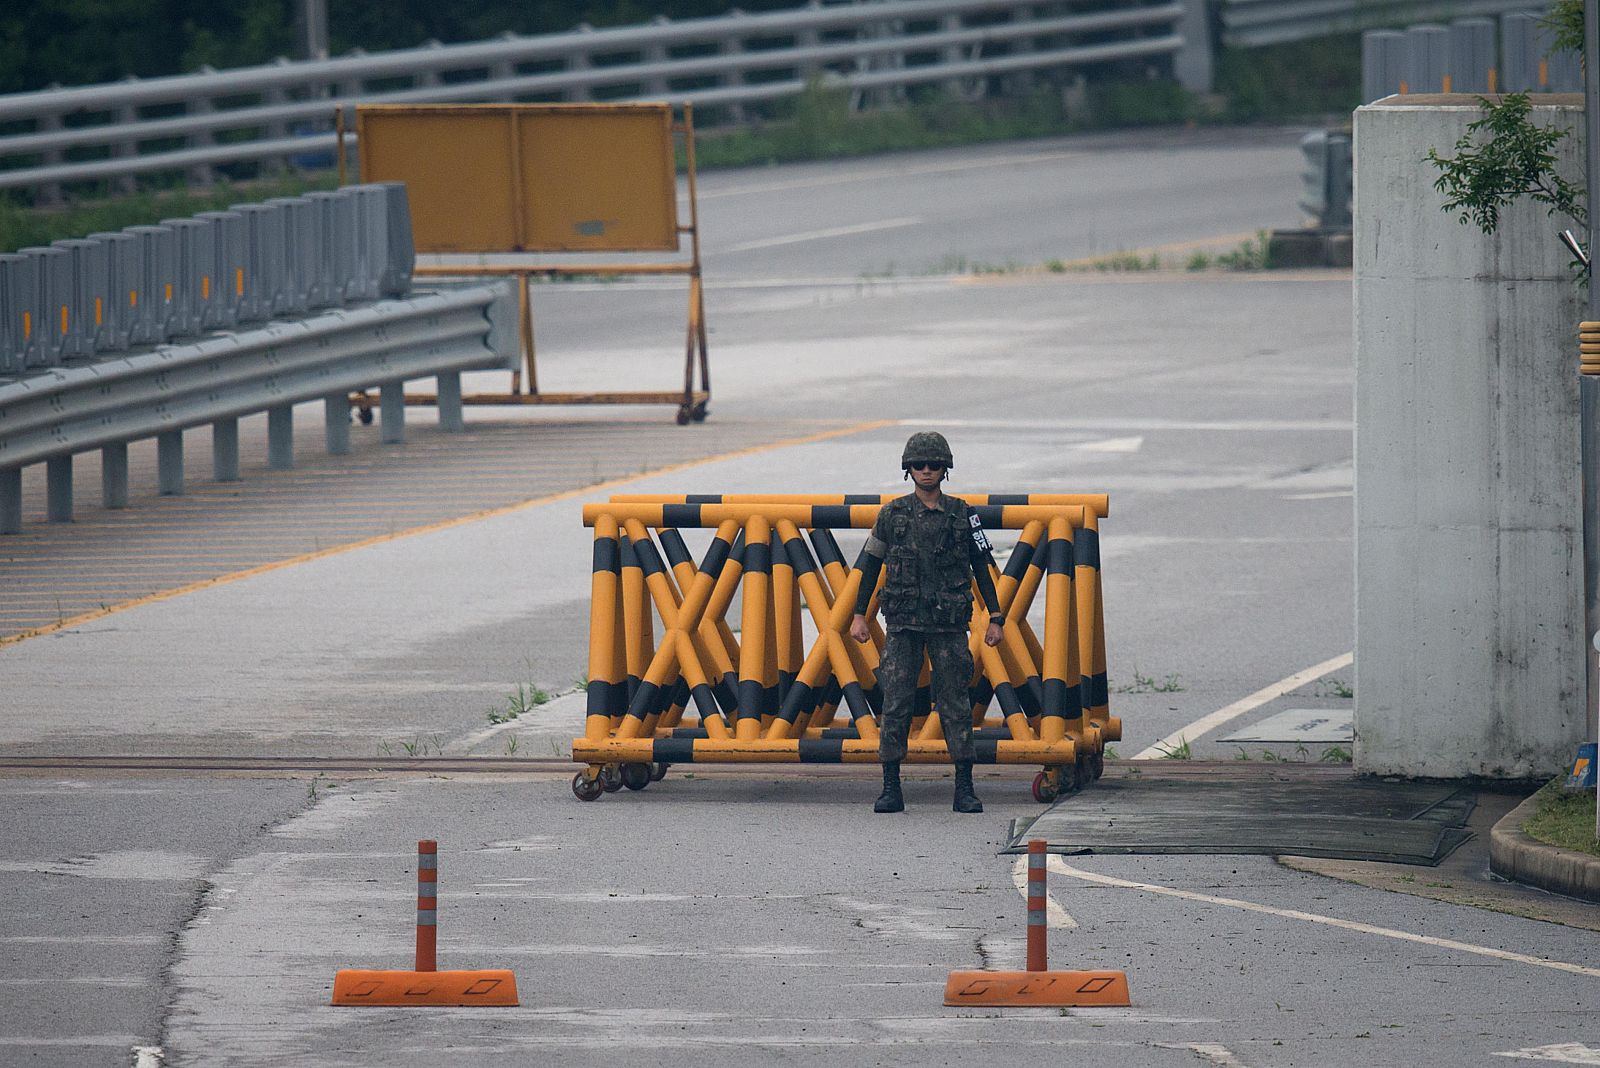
(979, 538)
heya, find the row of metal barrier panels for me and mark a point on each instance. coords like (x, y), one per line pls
(762, 694)
(110, 293)
(1466, 57)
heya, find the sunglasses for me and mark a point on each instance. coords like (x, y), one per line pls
(923, 465)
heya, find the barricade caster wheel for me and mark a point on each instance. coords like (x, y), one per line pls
(658, 770)
(636, 776)
(685, 413)
(586, 789)
(699, 413)
(365, 415)
(1045, 789)
(1097, 764)
(611, 778)
(1086, 773)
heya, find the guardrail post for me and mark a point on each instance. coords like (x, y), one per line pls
(336, 416)
(280, 438)
(225, 450)
(451, 415)
(114, 475)
(169, 463)
(58, 489)
(10, 500)
(392, 412)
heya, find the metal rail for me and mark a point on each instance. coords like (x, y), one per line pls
(1252, 23)
(49, 416)
(95, 133)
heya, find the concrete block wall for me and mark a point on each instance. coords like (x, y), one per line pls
(1470, 648)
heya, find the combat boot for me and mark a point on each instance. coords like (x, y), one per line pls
(966, 800)
(890, 800)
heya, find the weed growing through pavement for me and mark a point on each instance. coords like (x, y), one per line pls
(313, 791)
(1250, 255)
(1149, 684)
(1334, 687)
(582, 684)
(1175, 752)
(1200, 261)
(511, 745)
(1335, 754)
(525, 698)
(1111, 753)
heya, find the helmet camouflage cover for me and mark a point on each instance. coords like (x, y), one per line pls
(927, 446)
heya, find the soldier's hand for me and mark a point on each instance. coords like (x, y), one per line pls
(858, 629)
(991, 637)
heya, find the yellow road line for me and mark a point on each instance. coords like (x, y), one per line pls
(447, 524)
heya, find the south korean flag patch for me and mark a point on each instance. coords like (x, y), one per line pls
(979, 538)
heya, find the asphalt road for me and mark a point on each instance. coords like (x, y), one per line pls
(763, 918)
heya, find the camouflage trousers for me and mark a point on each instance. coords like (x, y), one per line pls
(898, 675)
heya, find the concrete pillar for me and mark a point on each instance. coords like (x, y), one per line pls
(1469, 584)
(10, 500)
(1193, 66)
(451, 415)
(114, 476)
(336, 416)
(169, 463)
(225, 450)
(280, 438)
(58, 489)
(392, 412)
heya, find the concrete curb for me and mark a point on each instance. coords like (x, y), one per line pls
(1516, 856)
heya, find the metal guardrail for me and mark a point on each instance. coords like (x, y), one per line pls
(283, 110)
(1466, 57)
(89, 298)
(51, 416)
(1252, 23)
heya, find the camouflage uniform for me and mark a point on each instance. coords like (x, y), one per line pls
(932, 557)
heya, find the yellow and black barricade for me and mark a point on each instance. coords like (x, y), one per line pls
(762, 696)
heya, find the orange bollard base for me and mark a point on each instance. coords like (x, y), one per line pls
(1037, 988)
(490, 987)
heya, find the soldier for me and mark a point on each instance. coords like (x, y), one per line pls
(935, 546)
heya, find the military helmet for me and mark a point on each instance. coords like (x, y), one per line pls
(927, 446)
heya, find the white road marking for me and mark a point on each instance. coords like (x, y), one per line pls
(1269, 426)
(819, 235)
(1054, 915)
(1319, 496)
(148, 1057)
(884, 174)
(1565, 1052)
(1206, 724)
(1210, 1052)
(1057, 864)
(1133, 444)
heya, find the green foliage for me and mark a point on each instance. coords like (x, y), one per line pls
(1175, 752)
(1319, 77)
(1250, 255)
(1565, 818)
(23, 226)
(822, 123)
(1566, 18)
(1504, 157)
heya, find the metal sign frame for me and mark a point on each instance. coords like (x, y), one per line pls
(693, 403)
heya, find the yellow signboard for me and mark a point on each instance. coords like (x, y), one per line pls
(528, 177)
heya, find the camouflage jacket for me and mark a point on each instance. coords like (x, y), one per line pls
(932, 558)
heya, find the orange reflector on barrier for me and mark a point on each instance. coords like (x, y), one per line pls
(495, 987)
(1037, 988)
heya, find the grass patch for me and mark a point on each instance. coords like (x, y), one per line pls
(22, 226)
(1149, 684)
(1565, 818)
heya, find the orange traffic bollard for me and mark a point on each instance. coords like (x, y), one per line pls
(425, 985)
(1038, 985)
